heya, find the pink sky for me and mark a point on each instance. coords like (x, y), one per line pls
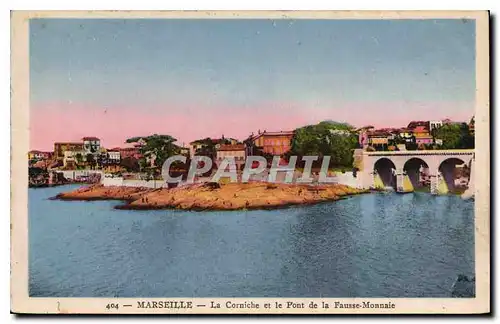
(59, 122)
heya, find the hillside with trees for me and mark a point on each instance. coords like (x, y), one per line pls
(454, 136)
(327, 138)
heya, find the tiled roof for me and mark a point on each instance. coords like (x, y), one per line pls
(378, 133)
(280, 133)
(229, 147)
(69, 143)
(414, 124)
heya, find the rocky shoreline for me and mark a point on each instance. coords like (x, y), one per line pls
(100, 192)
(214, 196)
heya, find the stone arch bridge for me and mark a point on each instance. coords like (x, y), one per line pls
(395, 168)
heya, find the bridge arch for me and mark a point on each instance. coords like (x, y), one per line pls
(384, 169)
(448, 169)
(418, 171)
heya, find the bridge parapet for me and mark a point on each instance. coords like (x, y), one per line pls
(419, 153)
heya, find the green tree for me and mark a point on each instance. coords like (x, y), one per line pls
(328, 138)
(397, 140)
(143, 164)
(466, 138)
(412, 145)
(130, 164)
(79, 158)
(157, 147)
(90, 160)
(35, 172)
(207, 148)
(450, 134)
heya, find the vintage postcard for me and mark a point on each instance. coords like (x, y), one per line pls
(250, 162)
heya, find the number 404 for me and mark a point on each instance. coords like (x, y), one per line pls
(112, 306)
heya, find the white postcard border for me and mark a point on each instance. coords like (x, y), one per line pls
(22, 303)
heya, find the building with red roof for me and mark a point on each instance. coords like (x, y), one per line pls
(275, 143)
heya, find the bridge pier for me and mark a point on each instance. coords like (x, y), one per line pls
(404, 183)
(370, 184)
(400, 176)
(434, 183)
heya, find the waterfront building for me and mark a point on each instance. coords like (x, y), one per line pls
(199, 144)
(91, 144)
(275, 143)
(61, 147)
(39, 155)
(423, 139)
(422, 135)
(113, 156)
(236, 151)
(128, 152)
(378, 137)
(363, 135)
(72, 158)
(434, 124)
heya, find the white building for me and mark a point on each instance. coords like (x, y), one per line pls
(114, 156)
(71, 157)
(91, 145)
(231, 150)
(433, 124)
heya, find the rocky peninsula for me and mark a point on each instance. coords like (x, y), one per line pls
(214, 196)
